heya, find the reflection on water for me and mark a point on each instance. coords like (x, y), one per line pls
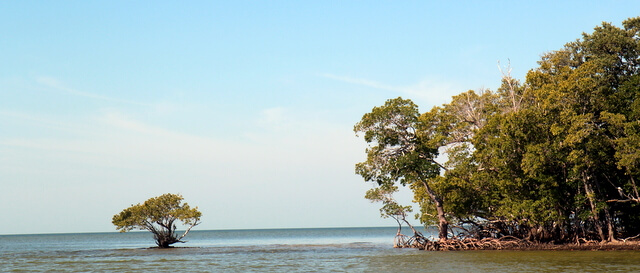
(304, 250)
(510, 261)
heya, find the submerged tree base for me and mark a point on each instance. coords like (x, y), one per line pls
(512, 243)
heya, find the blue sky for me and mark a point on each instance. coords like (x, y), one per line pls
(246, 108)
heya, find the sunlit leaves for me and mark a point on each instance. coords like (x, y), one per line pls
(553, 158)
(397, 154)
(390, 208)
(571, 138)
(158, 215)
(394, 146)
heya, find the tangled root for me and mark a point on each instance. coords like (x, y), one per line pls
(475, 244)
(415, 241)
(420, 242)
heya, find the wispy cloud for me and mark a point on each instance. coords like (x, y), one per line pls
(57, 85)
(13, 118)
(273, 117)
(127, 125)
(365, 82)
(432, 91)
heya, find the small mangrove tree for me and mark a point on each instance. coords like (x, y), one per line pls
(160, 216)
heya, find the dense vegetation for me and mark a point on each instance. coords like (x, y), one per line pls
(159, 215)
(553, 159)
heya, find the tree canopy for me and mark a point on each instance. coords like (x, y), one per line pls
(397, 152)
(552, 159)
(159, 215)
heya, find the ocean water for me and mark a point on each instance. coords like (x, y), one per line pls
(282, 250)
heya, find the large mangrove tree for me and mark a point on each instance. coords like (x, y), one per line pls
(555, 158)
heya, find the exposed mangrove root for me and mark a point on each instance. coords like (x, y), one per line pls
(475, 244)
(415, 241)
(507, 243)
(420, 242)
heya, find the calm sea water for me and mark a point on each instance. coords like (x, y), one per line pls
(282, 250)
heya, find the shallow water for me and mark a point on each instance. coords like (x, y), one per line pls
(283, 250)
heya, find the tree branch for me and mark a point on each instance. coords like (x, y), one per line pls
(187, 231)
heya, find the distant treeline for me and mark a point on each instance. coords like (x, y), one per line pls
(555, 158)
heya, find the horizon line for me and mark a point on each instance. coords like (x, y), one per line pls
(195, 230)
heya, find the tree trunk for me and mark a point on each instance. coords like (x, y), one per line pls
(610, 227)
(610, 236)
(399, 221)
(594, 212)
(443, 224)
(635, 188)
(165, 238)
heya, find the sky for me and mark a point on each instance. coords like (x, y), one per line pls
(245, 108)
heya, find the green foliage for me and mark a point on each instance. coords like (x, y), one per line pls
(159, 216)
(397, 154)
(552, 159)
(394, 146)
(390, 208)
